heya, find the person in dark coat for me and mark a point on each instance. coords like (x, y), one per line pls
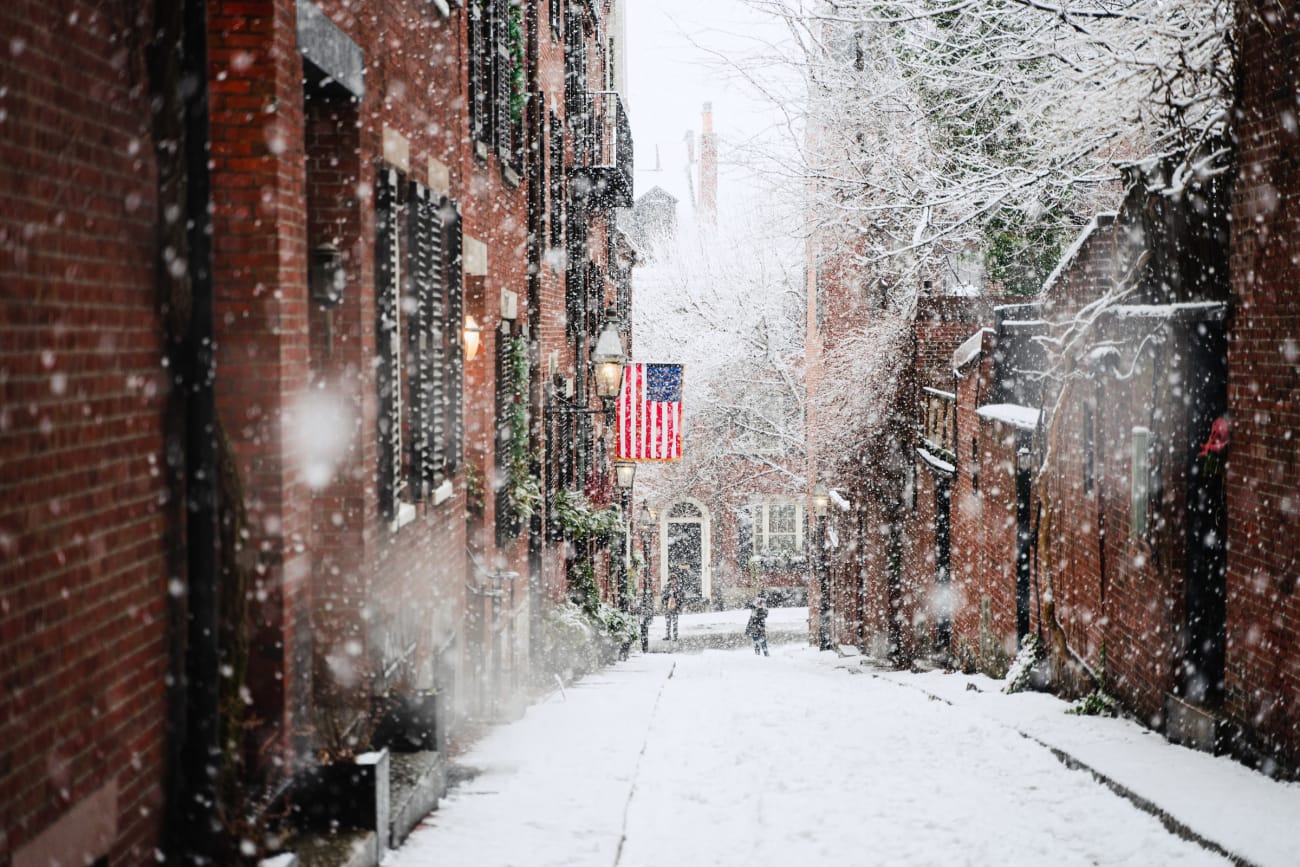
(756, 628)
(672, 608)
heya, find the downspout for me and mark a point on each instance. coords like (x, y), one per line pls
(535, 131)
(181, 88)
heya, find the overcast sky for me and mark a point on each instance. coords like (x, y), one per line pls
(673, 68)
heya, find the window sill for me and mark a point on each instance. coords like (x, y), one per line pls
(442, 493)
(405, 515)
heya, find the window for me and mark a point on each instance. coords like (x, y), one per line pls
(1140, 482)
(492, 107)
(419, 318)
(555, 17)
(777, 529)
(577, 108)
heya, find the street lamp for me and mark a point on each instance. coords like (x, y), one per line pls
(473, 334)
(625, 472)
(607, 359)
(821, 500)
(646, 524)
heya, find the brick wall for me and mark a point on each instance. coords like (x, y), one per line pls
(1263, 676)
(983, 536)
(84, 516)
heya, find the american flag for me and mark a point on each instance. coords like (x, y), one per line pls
(650, 413)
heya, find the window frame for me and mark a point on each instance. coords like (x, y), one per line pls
(761, 533)
(419, 327)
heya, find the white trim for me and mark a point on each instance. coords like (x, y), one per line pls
(759, 535)
(706, 543)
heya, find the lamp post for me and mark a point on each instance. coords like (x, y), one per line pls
(625, 474)
(646, 524)
(820, 502)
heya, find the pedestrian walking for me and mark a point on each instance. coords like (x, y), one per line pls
(672, 608)
(756, 628)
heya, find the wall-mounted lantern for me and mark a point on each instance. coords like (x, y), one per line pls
(473, 332)
(821, 500)
(625, 471)
(607, 359)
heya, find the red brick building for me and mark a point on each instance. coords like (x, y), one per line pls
(1115, 459)
(387, 184)
(1262, 674)
(85, 520)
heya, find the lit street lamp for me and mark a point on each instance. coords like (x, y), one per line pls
(607, 360)
(821, 500)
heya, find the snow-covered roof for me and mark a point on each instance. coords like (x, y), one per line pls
(1022, 417)
(1067, 259)
(1167, 311)
(935, 461)
(969, 348)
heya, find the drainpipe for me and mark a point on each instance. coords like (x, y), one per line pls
(537, 138)
(194, 693)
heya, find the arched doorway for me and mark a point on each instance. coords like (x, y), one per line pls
(685, 548)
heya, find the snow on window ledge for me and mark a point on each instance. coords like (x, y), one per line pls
(443, 492)
(405, 515)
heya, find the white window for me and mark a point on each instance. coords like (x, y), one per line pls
(778, 528)
(1140, 481)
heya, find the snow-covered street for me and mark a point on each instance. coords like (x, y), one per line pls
(721, 757)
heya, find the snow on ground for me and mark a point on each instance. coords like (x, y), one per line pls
(725, 758)
(1242, 811)
(733, 620)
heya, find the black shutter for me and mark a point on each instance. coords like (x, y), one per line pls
(557, 182)
(502, 123)
(425, 339)
(479, 66)
(506, 525)
(387, 331)
(452, 324)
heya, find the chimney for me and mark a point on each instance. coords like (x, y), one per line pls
(708, 169)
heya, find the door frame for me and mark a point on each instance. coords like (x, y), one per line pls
(706, 543)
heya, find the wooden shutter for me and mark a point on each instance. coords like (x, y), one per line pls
(452, 323)
(479, 67)
(557, 182)
(424, 341)
(388, 341)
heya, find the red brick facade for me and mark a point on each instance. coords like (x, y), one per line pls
(1263, 671)
(1126, 511)
(347, 595)
(84, 520)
